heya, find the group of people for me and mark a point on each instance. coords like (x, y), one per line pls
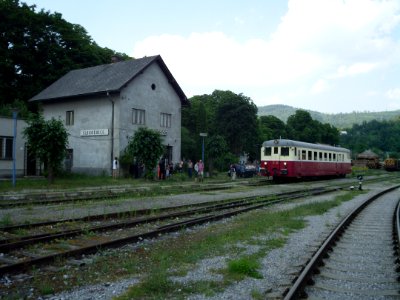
(165, 169)
(199, 170)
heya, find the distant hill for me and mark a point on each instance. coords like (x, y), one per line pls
(341, 120)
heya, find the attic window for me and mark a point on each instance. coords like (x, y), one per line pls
(153, 86)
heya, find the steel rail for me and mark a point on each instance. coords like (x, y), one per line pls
(14, 243)
(297, 289)
(396, 232)
(15, 267)
(67, 197)
(135, 212)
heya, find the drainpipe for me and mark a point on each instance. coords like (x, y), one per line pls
(14, 153)
(112, 130)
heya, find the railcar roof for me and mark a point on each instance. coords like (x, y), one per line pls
(291, 143)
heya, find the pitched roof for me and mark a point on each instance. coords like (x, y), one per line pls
(103, 79)
(367, 154)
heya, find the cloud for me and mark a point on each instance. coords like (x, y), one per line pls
(214, 58)
(393, 94)
(354, 69)
(315, 39)
(320, 86)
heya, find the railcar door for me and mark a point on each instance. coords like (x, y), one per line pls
(284, 155)
(302, 164)
(275, 161)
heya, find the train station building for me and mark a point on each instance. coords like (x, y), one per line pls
(103, 106)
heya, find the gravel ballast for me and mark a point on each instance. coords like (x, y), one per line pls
(278, 268)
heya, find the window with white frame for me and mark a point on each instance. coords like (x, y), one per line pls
(138, 116)
(165, 120)
(6, 147)
(284, 151)
(69, 118)
(267, 151)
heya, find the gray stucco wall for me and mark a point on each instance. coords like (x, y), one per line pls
(7, 130)
(91, 154)
(163, 99)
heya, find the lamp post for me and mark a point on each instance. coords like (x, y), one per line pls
(14, 115)
(203, 135)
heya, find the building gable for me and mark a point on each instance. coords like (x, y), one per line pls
(104, 79)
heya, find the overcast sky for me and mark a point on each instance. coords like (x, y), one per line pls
(326, 55)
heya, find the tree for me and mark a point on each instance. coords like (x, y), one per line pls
(381, 137)
(48, 140)
(223, 113)
(271, 128)
(37, 48)
(236, 121)
(188, 148)
(216, 147)
(196, 119)
(329, 134)
(146, 147)
(302, 127)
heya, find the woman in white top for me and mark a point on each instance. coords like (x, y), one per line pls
(115, 168)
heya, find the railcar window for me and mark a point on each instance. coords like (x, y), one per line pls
(309, 155)
(267, 151)
(285, 151)
(295, 151)
(320, 156)
(330, 156)
(315, 155)
(303, 154)
(276, 150)
(325, 156)
(334, 156)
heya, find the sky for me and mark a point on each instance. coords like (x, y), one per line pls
(331, 56)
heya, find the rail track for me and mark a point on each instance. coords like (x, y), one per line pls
(359, 260)
(64, 197)
(102, 194)
(22, 252)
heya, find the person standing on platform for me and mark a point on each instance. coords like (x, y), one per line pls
(201, 170)
(190, 169)
(115, 168)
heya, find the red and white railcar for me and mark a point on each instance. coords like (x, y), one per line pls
(293, 159)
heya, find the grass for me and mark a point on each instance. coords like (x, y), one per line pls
(219, 241)
(6, 220)
(245, 266)
(76, 181)
(155, 264)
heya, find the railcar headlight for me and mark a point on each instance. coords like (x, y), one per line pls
(284, 163)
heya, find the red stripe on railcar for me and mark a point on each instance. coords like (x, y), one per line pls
(304, 168)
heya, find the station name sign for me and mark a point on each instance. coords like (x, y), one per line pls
(94, 132)
(162, 132)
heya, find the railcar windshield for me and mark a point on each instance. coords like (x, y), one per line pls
(267, 151)
(285, 151)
